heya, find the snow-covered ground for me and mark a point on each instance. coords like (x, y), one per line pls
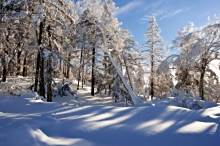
(89, 121)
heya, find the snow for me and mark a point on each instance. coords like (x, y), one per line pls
(27, 121)
(84, 120)
(38, 134)
(193, 103)
(215, 67)
(198, 127)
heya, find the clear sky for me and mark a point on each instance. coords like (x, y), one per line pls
(172, 15)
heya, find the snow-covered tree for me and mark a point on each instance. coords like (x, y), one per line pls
(198, 48)
(63, 38)
(209, 47)
(184, 70)
(42, 26)
(112, 42)
(154, 50)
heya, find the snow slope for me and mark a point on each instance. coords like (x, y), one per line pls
(28, 122)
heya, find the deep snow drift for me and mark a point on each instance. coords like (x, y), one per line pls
(28, 122)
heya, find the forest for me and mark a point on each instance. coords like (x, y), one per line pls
(66, 66)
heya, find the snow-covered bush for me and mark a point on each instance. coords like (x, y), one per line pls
(186, 99)
(180, 93)
(64, 89)
(193, 103)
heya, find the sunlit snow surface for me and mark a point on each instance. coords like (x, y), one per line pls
(24, 121)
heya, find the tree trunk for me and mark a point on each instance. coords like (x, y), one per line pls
(80, 68)
(106, 71)
(68, 67)
(41, 66)
(83, 68)
(93, 72)
(41, 79)
(64, 69)
(18, 62)
(127, 71)
(24, 72)
(82, 76)
(49, 70)
(38, 62)
(49, 79)
(60, 67)
(11, 67)
(109, 89)
(37, 72)
(201, 84)
(110, 83)
(4, 69)
(152, 78)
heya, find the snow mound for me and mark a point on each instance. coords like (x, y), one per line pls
(193, 103)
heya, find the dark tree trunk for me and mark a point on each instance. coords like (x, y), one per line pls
(152, 78)
(110, 83)
(82, 78)
(68, 67)
(49, 70)
(109, 89)
(60, 65)
(106, 71)
(80, 68)
(93, 72)
(4, 69)
(38, 62)
(41, 78)
(83, 68)
(204, 64)
(18, 62)
(41, 62)
(11, 67)
(64, 70)
(60, 68)
(201, 84)
(37, 72)
(24, 72)
(49, 79)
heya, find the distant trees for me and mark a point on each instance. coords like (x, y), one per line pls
(90, 34)
(13, 36)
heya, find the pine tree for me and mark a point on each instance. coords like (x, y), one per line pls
(154, 50)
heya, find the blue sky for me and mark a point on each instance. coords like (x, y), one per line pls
(172, 15)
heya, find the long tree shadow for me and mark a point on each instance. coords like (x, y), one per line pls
(116, 126)
(126, 133)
